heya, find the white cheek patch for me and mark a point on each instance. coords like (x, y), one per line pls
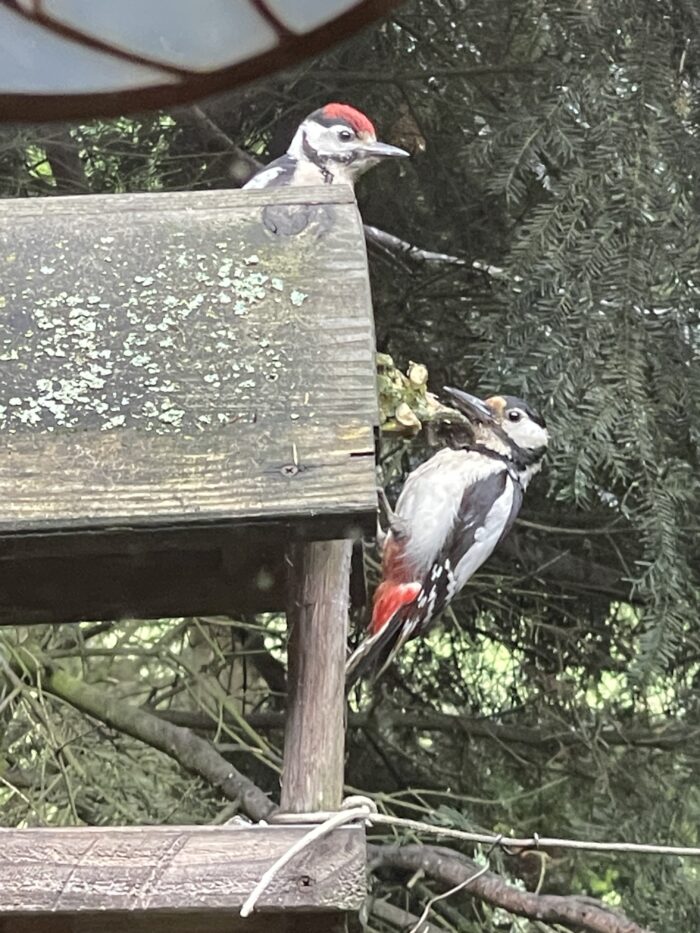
(528, 434)
(315, 134)
(324, 140)
(310, 131)
(537, 436)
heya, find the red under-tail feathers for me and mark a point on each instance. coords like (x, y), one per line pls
(393, 623)
(397, 588)
(394, 599)
(389, 597)
(394, 602)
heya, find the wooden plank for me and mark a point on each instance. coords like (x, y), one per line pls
(171, 359)
(172, 365)
(183, 922)
(219, 200)
(153, 576)
(201, 871)
(243, 473)
(317, 617)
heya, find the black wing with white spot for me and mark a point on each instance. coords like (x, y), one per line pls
(477, 529)
(277, 174)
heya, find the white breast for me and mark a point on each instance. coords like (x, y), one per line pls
(307, 173)
(430, 500)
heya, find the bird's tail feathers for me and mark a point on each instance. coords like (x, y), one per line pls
(373, 655)
(412, 607)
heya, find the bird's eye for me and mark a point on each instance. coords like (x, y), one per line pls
(345, 135)
(514, 415)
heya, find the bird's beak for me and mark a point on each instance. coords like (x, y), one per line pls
(379, 150)
(470, 405)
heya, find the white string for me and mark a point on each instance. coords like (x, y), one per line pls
(334, 820)
(364, 809)
(510, 842)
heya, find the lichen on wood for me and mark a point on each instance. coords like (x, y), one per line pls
(170, 364)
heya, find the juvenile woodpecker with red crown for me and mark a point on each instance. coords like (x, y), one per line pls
(334, 145)
(452, 513)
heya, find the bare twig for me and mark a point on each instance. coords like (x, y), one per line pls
(399, 249)
(245, 165)
(460, 886)
(401, 919)
(395, 245)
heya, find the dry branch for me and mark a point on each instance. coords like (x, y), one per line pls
(665, 735)
(192, 752)
(401, 248)
(450, 868)
(242, 165)
(189, 750)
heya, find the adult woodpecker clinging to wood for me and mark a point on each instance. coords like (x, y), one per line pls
(334, 144)
(451, 514)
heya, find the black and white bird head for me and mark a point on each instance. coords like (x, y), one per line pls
(335, 144)
(342, 138)
(506, 425)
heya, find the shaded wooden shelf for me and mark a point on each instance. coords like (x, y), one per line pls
(187, 386)
(168, 879)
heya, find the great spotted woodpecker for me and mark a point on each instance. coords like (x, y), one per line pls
(452, 512)
(334, 144)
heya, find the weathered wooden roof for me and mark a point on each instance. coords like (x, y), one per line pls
(183, 362)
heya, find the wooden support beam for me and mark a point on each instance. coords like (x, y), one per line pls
(169, 879)
(183, 922)
(314, 741)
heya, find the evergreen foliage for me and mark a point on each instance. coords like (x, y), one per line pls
(558, 144)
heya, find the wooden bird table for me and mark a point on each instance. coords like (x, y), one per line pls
(188, 417)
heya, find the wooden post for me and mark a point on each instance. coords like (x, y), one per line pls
(314, 740)
(314, 743)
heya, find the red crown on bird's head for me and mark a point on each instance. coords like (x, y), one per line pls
(355, 118)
